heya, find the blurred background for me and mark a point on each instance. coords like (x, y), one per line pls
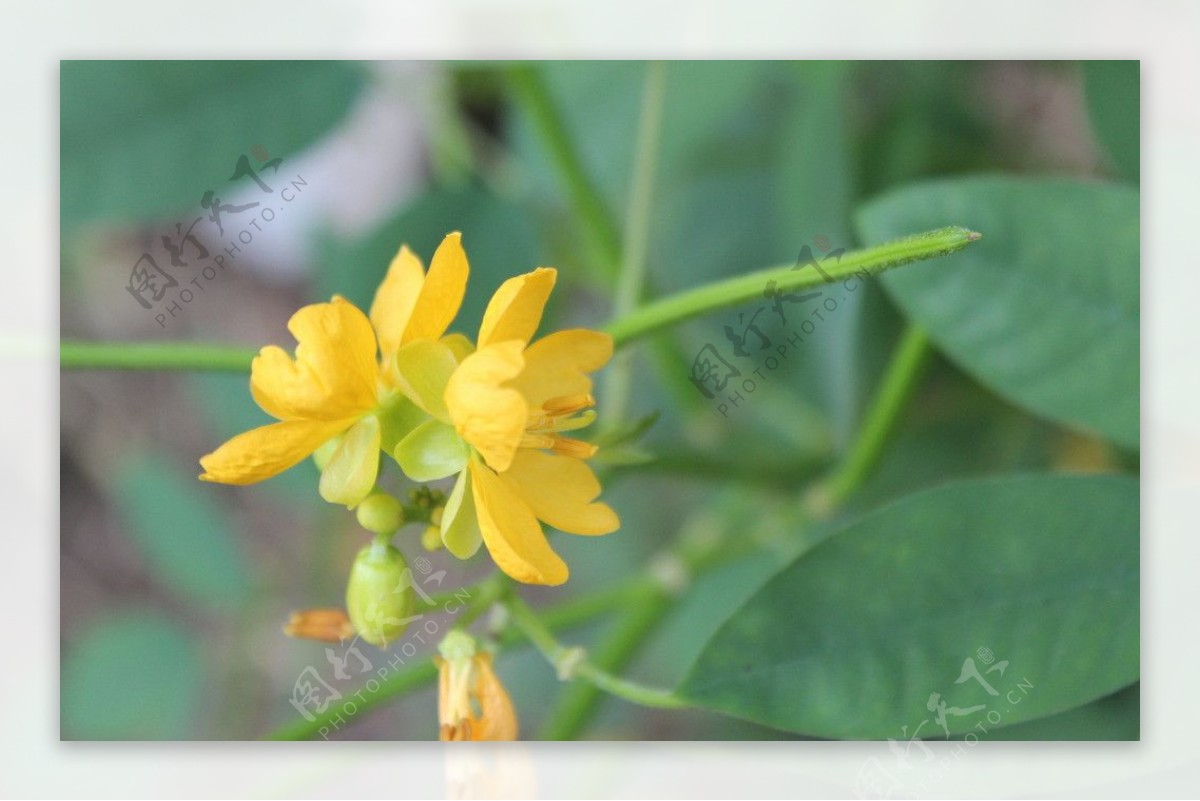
(173, 591)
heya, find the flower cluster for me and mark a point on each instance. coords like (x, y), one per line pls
(494, 414)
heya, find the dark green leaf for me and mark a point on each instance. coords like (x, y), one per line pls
(1044, 310)
(141, 139)
(131, 677)
(1117, 717)
(853, 639)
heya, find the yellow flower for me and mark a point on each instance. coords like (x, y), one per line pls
(332, 393)
(466, 678)
(329, 389)
(511, 402)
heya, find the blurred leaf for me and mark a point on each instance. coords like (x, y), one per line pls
(852, 639)
(142, 139)
(1113, 91)
(131, 677)
(1044, 311)
(182, 532)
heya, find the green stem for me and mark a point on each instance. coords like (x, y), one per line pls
(570, 661)
(637, 235)
(581, 701)
(75, 355)
(740, 289)
(529, 88)
(898, 383)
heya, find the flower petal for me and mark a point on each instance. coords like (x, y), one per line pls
(396, 298)
(432, 451)
(488, 415)
(460, 523)
(497, 718)
(556, 365)
(266, 451)
(442, 293)
(350, 474)
(334, 373)
(421, 370)
(559, 490)
(515, 310)
(511, 532)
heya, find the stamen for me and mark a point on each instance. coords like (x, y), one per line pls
(576, 448)
(568, 404)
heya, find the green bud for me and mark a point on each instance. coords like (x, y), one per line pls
(431, 538)
(380, 513)
(379, 595)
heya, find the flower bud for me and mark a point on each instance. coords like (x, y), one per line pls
(431, 538)
(326, 625)
(380, 513)
(379, 595)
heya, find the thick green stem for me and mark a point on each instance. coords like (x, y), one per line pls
(898, 383)
(743, 288)
(154, 356)
(571, 662)
(637, 236)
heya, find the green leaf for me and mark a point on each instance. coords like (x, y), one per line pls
(1113, 91)
(852, 639)
(1044, 310)
(131, 677)
(141, 139)
(1116, 717)
(183, 533)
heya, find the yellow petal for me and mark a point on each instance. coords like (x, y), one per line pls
(459, 345)
(421, 370)
(559, 490)
(263, 452)
(497, 717)
(511, 532)
(396, 298)
(556, 365)
(515, 311)
(334, 374)
(350, 474)
(442, 293)
(488, 415)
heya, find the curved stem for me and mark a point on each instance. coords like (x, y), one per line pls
(570, 662)
(740, 289)
(75, 355)
(580, 701)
